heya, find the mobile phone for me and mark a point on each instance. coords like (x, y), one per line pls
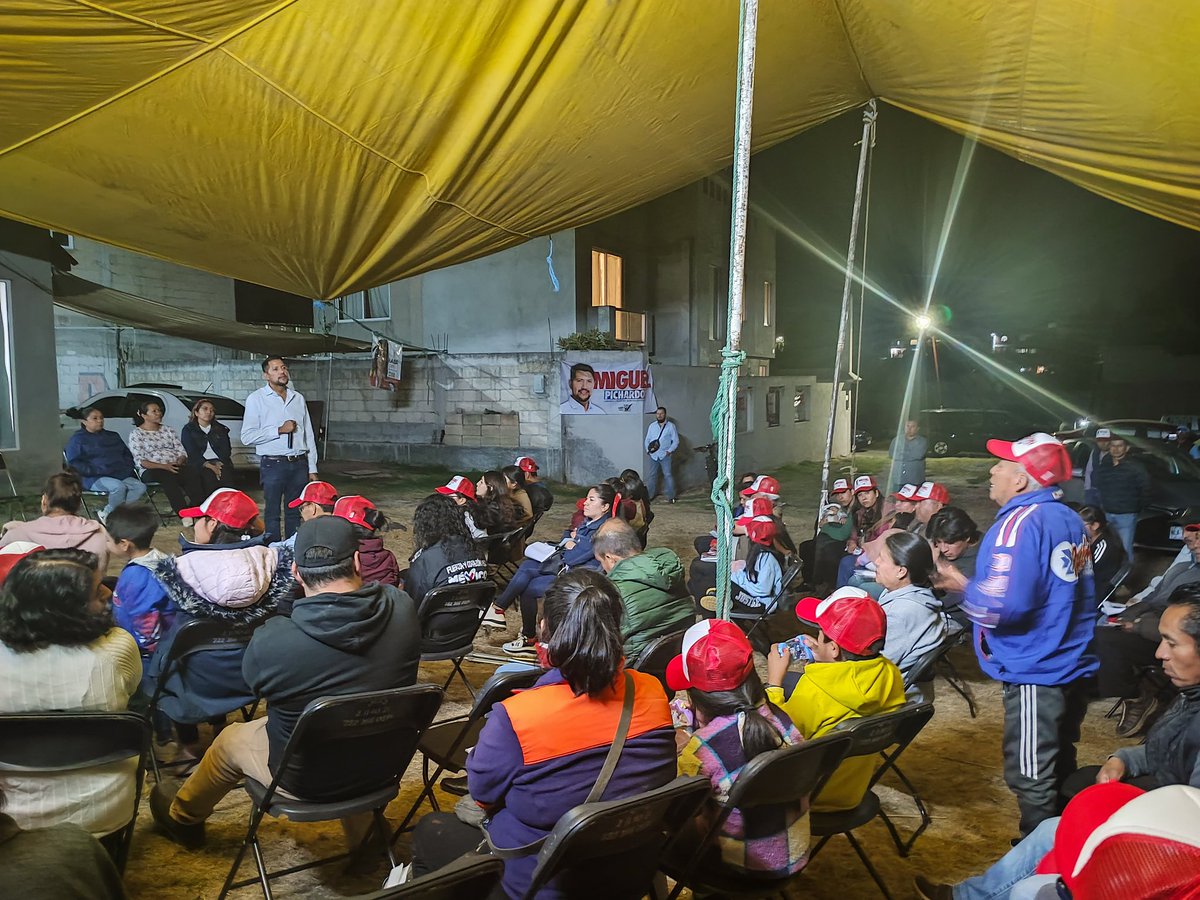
(799, 649)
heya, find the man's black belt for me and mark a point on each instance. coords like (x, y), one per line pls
(296, 458)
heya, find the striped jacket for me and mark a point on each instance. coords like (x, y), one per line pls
(1033, 600)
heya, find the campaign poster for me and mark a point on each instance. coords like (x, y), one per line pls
(386, 364)
(600, 384)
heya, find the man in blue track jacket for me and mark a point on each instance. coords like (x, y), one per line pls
(1033, 605)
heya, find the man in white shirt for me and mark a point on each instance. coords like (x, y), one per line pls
(277, 426)
(662, 439)
(580, 403)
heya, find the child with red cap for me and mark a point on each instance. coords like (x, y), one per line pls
(847, 679)
(378, 564)
(759, 577)
(734, 723)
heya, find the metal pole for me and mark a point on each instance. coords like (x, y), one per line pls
(732, 354)
(868, 138)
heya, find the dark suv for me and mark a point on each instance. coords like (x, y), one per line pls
(952, 432)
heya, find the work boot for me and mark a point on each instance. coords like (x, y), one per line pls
(162, 796)
(1136, 715)
(932, 890)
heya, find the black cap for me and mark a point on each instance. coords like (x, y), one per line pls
(324, 541)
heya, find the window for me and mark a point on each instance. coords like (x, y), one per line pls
(720, 305)
(607, 279)
(768, 304)
(8, 388)
(801, 403)
(64, 240)
(743, 420)
(375, 303)
(774, 396)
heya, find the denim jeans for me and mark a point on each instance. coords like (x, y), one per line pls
(653, 467)
(119, 490)
(1125, 524)
(282, 482)
(1016, 865)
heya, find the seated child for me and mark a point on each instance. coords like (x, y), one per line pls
(377, 563)
(140, 602)
(847, 679)
(732, 723)
(317, 499)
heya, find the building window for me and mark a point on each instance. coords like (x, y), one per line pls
(768, 304)
(743, 420)
(720, 304)
(64, 240)
(365, 306)
(801, 403)
(607, 279)
(774, 397)
(8, 389)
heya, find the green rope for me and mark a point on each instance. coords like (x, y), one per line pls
(723, 431)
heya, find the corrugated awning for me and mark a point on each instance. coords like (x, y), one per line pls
(106, 303)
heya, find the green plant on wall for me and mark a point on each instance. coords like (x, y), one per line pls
(588, 340)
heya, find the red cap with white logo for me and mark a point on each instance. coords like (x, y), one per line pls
(907, 492)
(864, 483)
(1041, 455)
(763, 484)
(527, 464)
(932, 490)
(458, 485)
(839, 485)
(319, 492)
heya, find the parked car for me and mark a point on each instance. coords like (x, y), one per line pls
(1183, 420)
(1174, 488)
(952, 432)
(862, 440)
(1145, 431)
(118, 407)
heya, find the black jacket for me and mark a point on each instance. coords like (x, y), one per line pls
(1122, 488)
(540, 497)
(1172, 749)
(366, 640)
(195, 442)
(450, 561)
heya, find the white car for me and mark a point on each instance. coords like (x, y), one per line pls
(119, 406)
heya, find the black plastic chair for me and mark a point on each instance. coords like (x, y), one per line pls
(787, 776)
(65, 742)
(888, 735)
(445, 743)
(1118, 580)
(657, 654)
(347, 734)
(450, 616)
(502, 553)
(937, 662)
(193, 637)
(15, 499)
(471, 877)
(629, 834)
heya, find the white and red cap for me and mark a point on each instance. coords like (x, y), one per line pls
(354, 508)
(320, 492)
(13, 553)
(839, 485)
(760, 529)
(864, 483)
(226, 505)
(458, 485)
(527, 464)
(756, 506)
(716, 657)
(763, 484)
(907, 492)
(1103, 434)
(849, 617)
(1041, 455)
(932, 490)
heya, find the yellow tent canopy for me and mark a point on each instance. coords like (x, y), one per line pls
(321, 146)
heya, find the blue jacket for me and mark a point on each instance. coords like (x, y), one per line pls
(99, 455)
(581, 555)
(140, 603)
(1033, 601)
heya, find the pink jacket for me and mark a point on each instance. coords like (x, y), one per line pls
(231, 578)
(61, 533)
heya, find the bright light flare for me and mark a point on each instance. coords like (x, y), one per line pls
(922, 321)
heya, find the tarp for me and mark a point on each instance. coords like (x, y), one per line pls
(106, 303)
(321, 146)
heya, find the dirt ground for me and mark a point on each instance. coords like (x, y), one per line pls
(955, 762)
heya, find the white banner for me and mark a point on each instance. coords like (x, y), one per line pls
(605, 383)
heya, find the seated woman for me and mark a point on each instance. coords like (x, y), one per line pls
(532, 577)
(226, 574)
(514, 480)
(866, 513)
(60, 527)
(497, 510)
(915, 621)
(462, 491)
(377, 563)
(730, 722)
(59, 650)
(159, 454)
(1108, 554)
(541, 752)
(955, 538)
(209, 452)
(103, 462)
(445, 551)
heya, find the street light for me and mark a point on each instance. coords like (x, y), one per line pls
(922, 321)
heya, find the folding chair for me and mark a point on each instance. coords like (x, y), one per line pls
(657, 654)
(759, 616)
(783, 777)
(620, 839)
(16, 500)
(87, 492)
(450, 616)
(66, 742)
(153, 490)
(937, 662)
(445, 743)
(471, 877)
(503, 547)
(887, 735)
(192, 637)
(371, 737)
(1118, 579)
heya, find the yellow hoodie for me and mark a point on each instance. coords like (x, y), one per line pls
(829, 694)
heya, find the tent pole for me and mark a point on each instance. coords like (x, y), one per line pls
(724, 409)
(868, 139)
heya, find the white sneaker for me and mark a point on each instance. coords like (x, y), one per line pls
(521, 646)
(399, 875)
(494, 618)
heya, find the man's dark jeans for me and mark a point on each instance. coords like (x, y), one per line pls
(282, 481)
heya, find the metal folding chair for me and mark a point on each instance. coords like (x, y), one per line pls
(471, 877)
(657, 654)
(450, 616)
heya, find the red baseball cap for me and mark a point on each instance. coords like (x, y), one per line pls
(226, 505)
(716, 657)
(756, 506)
(321, 492)
(760, 529)
(839, 485)
(1087, 811)
(864, 483)
(907, 492)
(849, 617)
(354, 508)
(1041, 455)
(526, 464)
(13, 554)
(932, 490)
(763, 484)
(458, 485)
